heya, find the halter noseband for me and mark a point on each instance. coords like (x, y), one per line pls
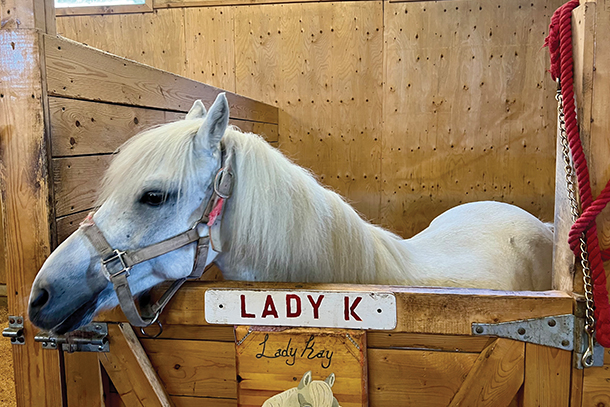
(116, 264)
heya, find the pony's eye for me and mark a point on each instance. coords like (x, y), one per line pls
(153, 198)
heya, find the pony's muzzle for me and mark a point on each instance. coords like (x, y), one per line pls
(39, 299)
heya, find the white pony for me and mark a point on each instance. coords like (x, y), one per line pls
(309, 393)
(279, 224)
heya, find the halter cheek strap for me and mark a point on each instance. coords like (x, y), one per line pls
(116, 264)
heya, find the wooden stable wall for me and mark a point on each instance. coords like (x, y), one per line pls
(406, 108)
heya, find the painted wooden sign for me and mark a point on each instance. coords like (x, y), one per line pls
(323, 309)
(294, 367)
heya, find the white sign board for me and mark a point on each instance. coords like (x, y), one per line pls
(321, 309)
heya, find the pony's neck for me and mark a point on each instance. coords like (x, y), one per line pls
(281, 225)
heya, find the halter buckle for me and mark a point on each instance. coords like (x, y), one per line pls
(118, 255)
(223, 187)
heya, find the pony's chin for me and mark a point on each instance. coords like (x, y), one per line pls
(82, 316)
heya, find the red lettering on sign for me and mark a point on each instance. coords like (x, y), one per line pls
(316, 305)
(244, 314)
(269, 308)
(351, 310)
(289, 312)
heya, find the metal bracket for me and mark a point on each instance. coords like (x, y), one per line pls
(89, 338)
(15, 330)
(555, 331)
(558, 331)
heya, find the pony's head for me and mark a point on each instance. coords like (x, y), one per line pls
(157, 186)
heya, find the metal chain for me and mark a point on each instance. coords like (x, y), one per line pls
(587, 358)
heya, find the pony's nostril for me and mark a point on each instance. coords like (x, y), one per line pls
(41, 299)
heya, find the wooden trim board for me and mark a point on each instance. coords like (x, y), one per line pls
(418, 308)
(78, 71)
(147, 7)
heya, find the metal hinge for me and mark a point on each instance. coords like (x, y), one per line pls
(15, 330)
(557, 331)
(89, 338)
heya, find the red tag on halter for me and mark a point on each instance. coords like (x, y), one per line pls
(215, 212)
(88, 221)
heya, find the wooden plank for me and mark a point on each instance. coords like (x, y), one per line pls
(66, 225)
(591, 77)
(547, 376)
(210, 47)
(414, 377)
(324, 71)
(184, 401)
(130, 370)
(595, 144)
(215, 333)
(576, 395)
(76, 181)
(25, 203)
(83, 380)
(468, 109)
(596, 391)
(451, 343)
(272, 361)
(81, 72)
(194, 368)
(81, 127)
(268, 131)
(155, 39)
(495, 377)
(565, 276)
(418, 308)
(211, 3)
(2, 249)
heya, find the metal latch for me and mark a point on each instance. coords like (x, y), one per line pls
(89, 338)
(557, 331)
(15, 330)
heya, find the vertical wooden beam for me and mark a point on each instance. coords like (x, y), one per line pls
(83, 380)
(130, 370)
(547, 376)
(25, 202)
(591, 26)
(25, 185)
(2, 249)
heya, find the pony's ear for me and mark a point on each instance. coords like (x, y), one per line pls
(197, 111)
(330, 380)
(213, 128)
(305, 381)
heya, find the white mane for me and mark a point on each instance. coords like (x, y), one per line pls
(284, 225)
(166, 149)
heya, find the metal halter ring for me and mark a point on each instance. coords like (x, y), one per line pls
(155, 321)
(218, 180)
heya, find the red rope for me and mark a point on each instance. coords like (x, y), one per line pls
(559, 42)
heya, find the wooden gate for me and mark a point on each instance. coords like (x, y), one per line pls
(66, 107)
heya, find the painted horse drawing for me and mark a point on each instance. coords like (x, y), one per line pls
(183, 195)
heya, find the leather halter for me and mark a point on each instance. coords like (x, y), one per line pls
(116, 264)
